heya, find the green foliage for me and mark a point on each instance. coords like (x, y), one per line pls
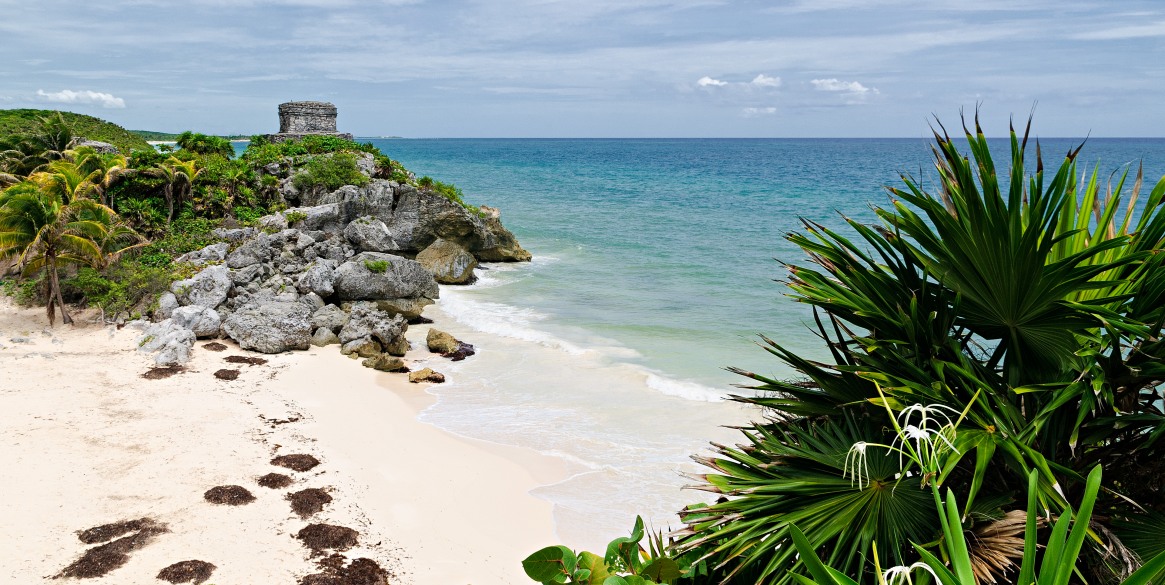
(27, 292)
(451, 192)
(329, 173)
(205, 145)
(377, 266)
(1032, 303)
(294, 217)
(28, 121)
(626, 563)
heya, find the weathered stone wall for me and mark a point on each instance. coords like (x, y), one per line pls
(307, 118)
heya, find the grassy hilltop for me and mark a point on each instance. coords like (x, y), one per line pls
(26, 121)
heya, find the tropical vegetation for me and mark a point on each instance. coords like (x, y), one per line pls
(143, 207)
(1024, 306)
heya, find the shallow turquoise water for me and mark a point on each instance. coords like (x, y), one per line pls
(654, 269)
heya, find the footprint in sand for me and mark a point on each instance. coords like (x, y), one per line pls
(100, 560)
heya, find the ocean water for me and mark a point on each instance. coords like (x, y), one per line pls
(656, 265)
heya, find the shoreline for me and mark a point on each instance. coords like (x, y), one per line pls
(90, 442)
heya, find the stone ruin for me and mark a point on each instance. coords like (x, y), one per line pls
(299, 119)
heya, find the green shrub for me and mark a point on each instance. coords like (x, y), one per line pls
(205, 145)
(27, 292)
(295, 217)
(377, 266)
(329, 173)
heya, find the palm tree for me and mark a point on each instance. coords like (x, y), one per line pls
(46, 232)
(102, 170)
(1030, 304)
(178, 181)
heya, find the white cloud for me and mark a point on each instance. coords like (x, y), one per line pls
(850, 87)
(708, 81)
(1134, 31)
(753, 112)
(762, 80)
(68, 96)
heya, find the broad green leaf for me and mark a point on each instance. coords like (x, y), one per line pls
(548, 563)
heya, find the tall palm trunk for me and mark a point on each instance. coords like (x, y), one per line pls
(55, 297)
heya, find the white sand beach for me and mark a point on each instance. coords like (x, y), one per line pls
(86, 441)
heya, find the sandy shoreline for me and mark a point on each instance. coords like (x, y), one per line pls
(86, 441)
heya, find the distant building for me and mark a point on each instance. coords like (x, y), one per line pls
(299, 119)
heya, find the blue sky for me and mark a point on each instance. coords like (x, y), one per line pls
(593, 68)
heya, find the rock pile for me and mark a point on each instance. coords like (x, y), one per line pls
(339, 269)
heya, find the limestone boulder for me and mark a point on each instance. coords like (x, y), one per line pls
(385, 363)
(204, 322)
(374, 275)
(212, 253)
(363, 347)
(208, 288)
(329, 317)
(441, 342)
(323, 337)
(319, 278)
(253, 251)
(166, 305)
(426, 375)
(448, 262)
(370, 235)
(171, 341)
(366, 321)
(270, 326)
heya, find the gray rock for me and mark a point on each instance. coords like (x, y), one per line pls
(384, 363)
(401, 278)
(248, 274)
(448, 262)
(202, 321)
(363, 347)
(426, 375)
(313, 301)
(275, 221)
(270, 326)
(325, 218)
(166, 305)
(235, 235)
(399, 347)
(407, 308)
(212, 253)
(370, 234)
(323, 337)
(366, 320)
(97, 145)
(171, 340)
(330, 317)
(319, 278)
(441, 342)
(208, 288)
(255, 251)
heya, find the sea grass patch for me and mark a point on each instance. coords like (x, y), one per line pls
(230, 495)
(187, 572)
(100, 560)
(275, 481)
(361, 571)
(227, 374)
(245, 359)
(309, 501)
(162, 372)
(296, 462)
(321, 537)
(214, 346)
(107, 532)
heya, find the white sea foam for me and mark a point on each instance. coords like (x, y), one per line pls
(503, 320)
(685, 389)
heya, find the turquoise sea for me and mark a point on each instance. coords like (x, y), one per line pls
(656, 265)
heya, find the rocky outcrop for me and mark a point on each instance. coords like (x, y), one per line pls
(171, 341)
(426, 375)
(367, 322)
(271, 327)
(202, 321)
(385, 363)
(448, 262)
(369, 233)
(208, 288)
(448, 346)
(373, 275)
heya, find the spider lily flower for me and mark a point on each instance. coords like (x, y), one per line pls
(905, 575)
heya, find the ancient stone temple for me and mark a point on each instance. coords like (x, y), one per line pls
(299, 119)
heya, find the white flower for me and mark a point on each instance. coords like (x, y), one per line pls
(899, 575)
(855, 463)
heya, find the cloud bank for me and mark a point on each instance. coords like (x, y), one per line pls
(68, 96)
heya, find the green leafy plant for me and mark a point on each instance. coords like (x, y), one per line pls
(1040, 293)
(626, 562)
(377, 266)
(329, 172)
(294, 217)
